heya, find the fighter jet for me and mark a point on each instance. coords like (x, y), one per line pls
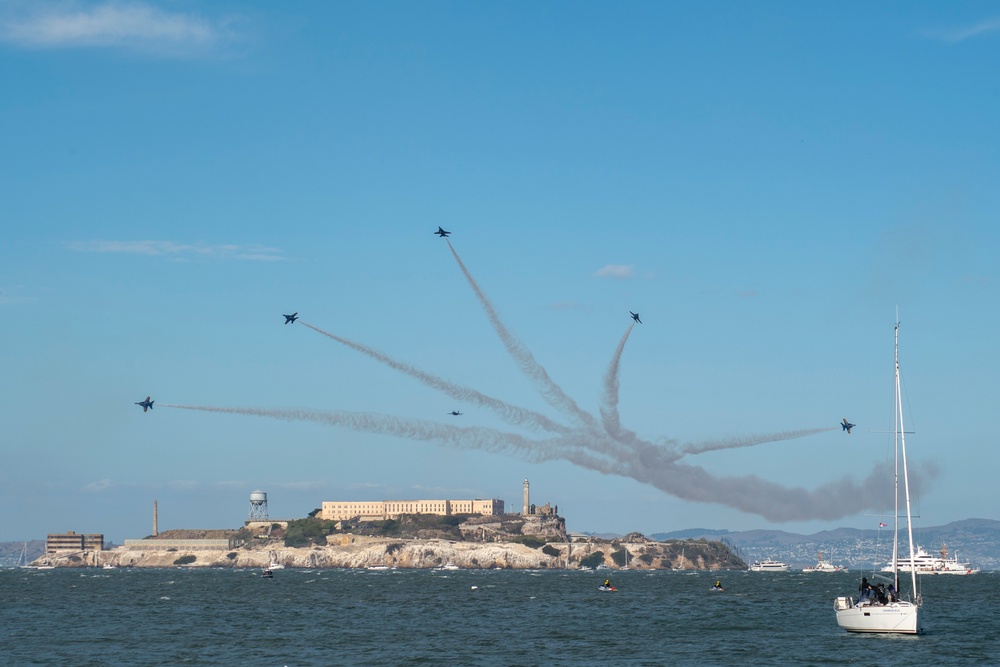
(291, 318)
(455, 412)
(146, 405)
(440, 232)
(635, 316)
(847, 426)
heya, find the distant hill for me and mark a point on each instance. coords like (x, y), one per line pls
(973, 540)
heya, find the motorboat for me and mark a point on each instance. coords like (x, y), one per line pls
(824, 566)
(768, 565)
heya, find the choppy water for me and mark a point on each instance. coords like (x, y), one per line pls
(404, 617)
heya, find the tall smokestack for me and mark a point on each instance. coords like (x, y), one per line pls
(156, 530)
(526, 509)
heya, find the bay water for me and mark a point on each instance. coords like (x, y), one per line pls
(298, 618)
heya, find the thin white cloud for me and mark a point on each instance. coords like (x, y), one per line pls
(954, 35)
(98, 486)
(619, 271)
(187, 485)
(181, 251)
(133, 26)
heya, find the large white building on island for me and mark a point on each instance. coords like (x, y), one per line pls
(380, 510)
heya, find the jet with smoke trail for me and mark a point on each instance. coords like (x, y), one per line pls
(603, 446)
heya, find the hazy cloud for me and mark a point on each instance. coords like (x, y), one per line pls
(133, 26)
(620, 271)
(954, 35)
(189, 485)
(181, 250)
(98, 486)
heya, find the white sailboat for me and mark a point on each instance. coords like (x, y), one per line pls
(896, 615)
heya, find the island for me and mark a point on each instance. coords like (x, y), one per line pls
(509, 541)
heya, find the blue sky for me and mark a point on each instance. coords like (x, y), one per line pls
(765, 183)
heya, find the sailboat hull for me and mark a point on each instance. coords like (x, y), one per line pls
(896, 618)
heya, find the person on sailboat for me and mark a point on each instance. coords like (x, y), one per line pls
(865, 588)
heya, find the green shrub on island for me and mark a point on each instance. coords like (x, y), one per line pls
(185, 560)
(308, 532)
(415, 525)
(593, 560)
(550, 550)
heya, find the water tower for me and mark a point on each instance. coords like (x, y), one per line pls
(258, 506)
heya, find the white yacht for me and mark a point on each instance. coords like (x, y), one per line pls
(768, 565)
(924, 563)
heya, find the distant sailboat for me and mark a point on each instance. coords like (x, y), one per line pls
(873, 612)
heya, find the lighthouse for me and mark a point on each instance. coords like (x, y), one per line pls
(526, 508)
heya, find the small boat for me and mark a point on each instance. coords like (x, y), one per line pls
(607, 589)
(824, 566)
(377, 567)
(275, 566)
(266, 574)
(768, 565)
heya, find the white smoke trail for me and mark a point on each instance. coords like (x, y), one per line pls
(609, 405)
(750, 440)
(485, 439)
(510, 413)
(772, 501)
(551, 392)
(461, 437)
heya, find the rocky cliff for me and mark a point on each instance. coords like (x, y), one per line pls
(363, 552)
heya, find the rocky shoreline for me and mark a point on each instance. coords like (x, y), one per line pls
(421, 554)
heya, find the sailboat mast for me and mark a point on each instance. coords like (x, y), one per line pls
(895, 467)
(906, 475)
